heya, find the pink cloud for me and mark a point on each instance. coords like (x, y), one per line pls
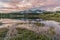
(21, 5)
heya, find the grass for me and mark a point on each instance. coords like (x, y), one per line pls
(3, 32)
(39, 24)
(18, 15)
(24, 34)
(51, 16)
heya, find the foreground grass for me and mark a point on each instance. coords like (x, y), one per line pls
(24, 34)
(3, 33)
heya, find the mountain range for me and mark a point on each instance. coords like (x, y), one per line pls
(32, 10)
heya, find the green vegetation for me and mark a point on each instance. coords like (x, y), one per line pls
(18, 15)
(24, 34)
(11, 16)
(50, 16)
(3, 32)
(45, 15)
(39, 24)
(51, 31)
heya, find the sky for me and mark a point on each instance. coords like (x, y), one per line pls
(13, 5)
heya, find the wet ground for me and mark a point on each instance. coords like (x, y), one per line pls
(13, 24)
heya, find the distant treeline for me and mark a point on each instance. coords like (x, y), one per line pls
(19, 15)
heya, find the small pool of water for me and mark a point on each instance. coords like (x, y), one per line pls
(51, 23)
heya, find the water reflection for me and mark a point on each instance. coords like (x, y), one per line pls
(50, 23)
(1, 23)
(47, 23)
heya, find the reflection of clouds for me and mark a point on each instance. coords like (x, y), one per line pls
(54, 24)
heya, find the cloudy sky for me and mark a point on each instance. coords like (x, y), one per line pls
(13, 5)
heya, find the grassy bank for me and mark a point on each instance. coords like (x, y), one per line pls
(51, 16)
